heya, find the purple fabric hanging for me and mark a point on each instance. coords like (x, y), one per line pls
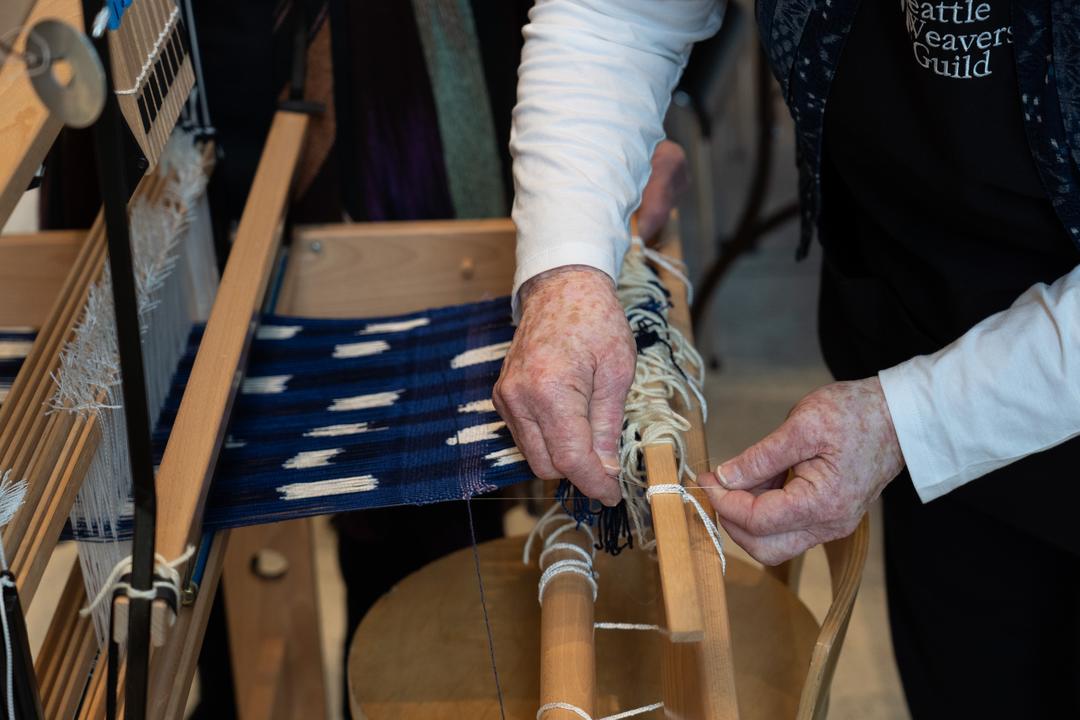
(392, 162)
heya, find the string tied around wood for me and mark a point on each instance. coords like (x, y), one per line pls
(581, 565)
(165, 586)
(544, 709)
(688, 497)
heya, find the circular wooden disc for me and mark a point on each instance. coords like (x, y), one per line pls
(421, 653)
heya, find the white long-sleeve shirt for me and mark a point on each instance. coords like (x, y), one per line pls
(595, 81)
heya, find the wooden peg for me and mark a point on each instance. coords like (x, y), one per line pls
(682, 607)
(567, 649)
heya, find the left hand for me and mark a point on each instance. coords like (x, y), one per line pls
(841, 448)
(669, 179)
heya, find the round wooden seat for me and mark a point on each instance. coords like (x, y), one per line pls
(422, 653)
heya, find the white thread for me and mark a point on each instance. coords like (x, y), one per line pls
(552, 515)
(152, 55)
(674, 267)
(585, 716)
(629, 626)
(569, 565)
(568, 547)
(166, 570)
(687, 497)
(582, 567)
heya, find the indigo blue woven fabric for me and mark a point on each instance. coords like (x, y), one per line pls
(339, 415)
(14, 346)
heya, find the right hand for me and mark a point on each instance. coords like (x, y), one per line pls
(564, 382)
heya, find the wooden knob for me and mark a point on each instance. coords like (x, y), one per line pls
(468, 268)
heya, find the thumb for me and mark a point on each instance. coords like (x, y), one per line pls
(607, 405)
(606, 408)
(764, 461)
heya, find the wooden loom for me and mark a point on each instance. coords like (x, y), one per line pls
(698, 666)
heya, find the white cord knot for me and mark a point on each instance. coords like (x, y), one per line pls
(585, 716)
(688, 497)
(166, 578)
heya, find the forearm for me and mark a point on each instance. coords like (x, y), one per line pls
(1008, 388)
(595, 81)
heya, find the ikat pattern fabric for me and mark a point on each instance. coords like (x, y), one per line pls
(341, 415)
(337, 415)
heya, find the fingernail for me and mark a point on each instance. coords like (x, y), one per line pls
(726, 479)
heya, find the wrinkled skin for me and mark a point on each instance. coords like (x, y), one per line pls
(564, 381)
(841, 449)
(563, 384)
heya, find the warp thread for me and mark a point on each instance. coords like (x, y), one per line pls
(667, 367)
(175, 280)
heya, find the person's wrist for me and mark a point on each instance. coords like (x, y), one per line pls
(891, 440)
(556, 280)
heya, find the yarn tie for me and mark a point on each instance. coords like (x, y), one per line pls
(687, 496)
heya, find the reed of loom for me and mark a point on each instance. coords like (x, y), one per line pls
(152, 71)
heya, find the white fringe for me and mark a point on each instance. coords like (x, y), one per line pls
(661, 375)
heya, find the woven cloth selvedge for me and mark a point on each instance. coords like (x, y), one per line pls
(339, 415)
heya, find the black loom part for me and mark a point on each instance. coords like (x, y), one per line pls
(26, 699)
(115, 193)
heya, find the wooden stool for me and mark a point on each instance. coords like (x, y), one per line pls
(421, 653)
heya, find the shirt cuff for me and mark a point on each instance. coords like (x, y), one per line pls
(905, 387)
(602, 257)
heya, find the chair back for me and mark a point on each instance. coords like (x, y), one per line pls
(846, 557)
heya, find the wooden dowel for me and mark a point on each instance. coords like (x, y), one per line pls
(682, 607)
(567, 648)
(699, 678)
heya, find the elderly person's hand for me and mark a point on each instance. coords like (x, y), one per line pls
(841, 449)
(563, 385)
(564, 381)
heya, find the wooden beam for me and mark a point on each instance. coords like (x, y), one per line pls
(198, 431)
(682, 608)
(406, 266)
(279, 613)
(33, 268)
(27, 128)
(706, 669)
(567, 643)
